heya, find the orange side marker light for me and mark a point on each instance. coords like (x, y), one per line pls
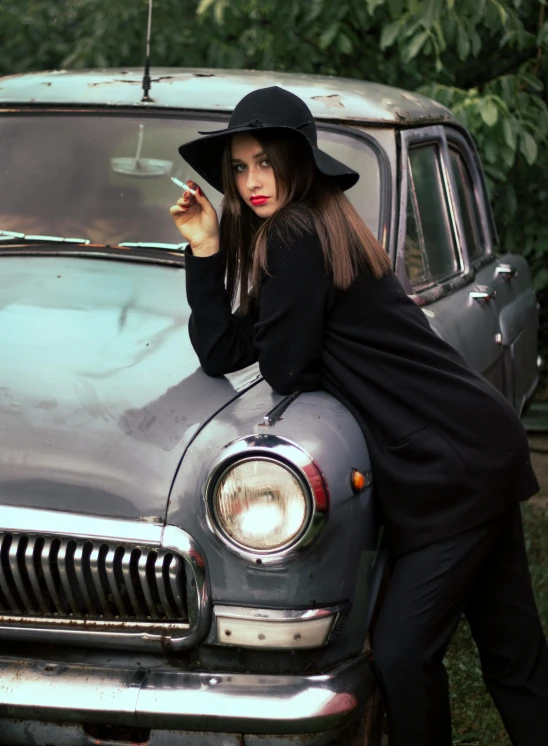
(357, 480)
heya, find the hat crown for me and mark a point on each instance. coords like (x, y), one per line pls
(274, 107)
(265, 109)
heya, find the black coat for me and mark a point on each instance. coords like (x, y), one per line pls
(448, 451)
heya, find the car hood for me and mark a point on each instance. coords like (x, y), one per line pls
(100, 388)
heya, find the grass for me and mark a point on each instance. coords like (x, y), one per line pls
(476, 721)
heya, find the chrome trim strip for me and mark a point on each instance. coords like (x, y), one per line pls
(129, 583)
(58, 523)
(64, 574)
(88, 625)
(95, 565)
(30, 552)
(276, 615)
(51, 547)
(147, 641)
(13, 555)
(165, 538)
(293, 457)
(199, 606)
(167, 698)
(80, 566)
(112, 583)
(145, 586)
(160, 585)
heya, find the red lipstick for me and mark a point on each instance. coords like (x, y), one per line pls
(259, 200)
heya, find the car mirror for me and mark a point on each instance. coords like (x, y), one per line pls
(138, 166)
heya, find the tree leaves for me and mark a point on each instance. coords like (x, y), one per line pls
(528, 147)
(510, 130)
(489, 111)
(463, 43)
(326, 39)
(415, 45)
(389, 34)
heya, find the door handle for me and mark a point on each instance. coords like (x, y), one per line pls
(483, 293)
(506, 271)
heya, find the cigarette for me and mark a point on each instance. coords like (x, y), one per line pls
(182, 185)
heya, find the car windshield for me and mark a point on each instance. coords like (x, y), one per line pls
(106, 178)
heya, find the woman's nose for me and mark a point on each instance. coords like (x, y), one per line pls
(253, 179)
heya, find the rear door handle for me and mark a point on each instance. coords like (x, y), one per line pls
(483, 293)
(506, 271)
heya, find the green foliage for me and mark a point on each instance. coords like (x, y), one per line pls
(485, 59)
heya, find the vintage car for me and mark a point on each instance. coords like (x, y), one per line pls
(187, 559)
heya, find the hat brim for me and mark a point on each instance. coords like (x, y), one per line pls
(205, 154)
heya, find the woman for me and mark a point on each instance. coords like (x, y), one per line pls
(319, 307)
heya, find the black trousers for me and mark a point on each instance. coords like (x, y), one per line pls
(484, 574)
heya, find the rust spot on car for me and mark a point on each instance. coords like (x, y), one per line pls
(333, 101)
(128, 82)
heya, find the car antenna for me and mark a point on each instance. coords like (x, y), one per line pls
(146, 77)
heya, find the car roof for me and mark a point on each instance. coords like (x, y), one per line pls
(215, 90)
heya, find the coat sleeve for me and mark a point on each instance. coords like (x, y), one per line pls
(294, 296)
(285, 335)
(222, 340)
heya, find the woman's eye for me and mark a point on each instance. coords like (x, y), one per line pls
(265, 163)
(239, 167)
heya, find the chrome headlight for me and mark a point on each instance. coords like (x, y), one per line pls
(261, 505)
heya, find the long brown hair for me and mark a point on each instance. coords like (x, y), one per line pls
(310, 200)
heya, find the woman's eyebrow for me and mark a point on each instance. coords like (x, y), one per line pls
(257, 155)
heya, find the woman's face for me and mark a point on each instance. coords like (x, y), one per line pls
(254, 177)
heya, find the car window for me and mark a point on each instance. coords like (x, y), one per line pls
(430, 247)
(366, 194)
(416, 261)
(468, 206)
(107, 177)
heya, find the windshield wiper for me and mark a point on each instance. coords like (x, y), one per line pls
(14, 237)
(11, 236)
(153, 245)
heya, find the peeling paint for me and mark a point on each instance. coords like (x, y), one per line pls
(130, 82)
(351, 101)
(333, 101)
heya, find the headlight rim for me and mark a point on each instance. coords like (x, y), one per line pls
(309, 503)
(293, 457)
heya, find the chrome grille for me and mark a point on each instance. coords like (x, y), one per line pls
(91, 580)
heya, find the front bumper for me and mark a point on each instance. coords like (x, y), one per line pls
(180, 702)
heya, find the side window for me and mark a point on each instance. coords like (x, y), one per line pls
(468, 206)
(430, 247)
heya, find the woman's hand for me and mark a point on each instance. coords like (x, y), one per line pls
(196, 219)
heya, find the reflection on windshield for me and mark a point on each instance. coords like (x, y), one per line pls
(108, 177)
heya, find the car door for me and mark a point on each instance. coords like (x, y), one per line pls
(432, 262)
(507, 274)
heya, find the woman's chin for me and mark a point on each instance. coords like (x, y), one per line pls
(264, 211)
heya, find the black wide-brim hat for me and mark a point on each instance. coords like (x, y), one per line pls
(264, 110)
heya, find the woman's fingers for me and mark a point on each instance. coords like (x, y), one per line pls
(203, 201)
(195, 216)
(186, 200)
